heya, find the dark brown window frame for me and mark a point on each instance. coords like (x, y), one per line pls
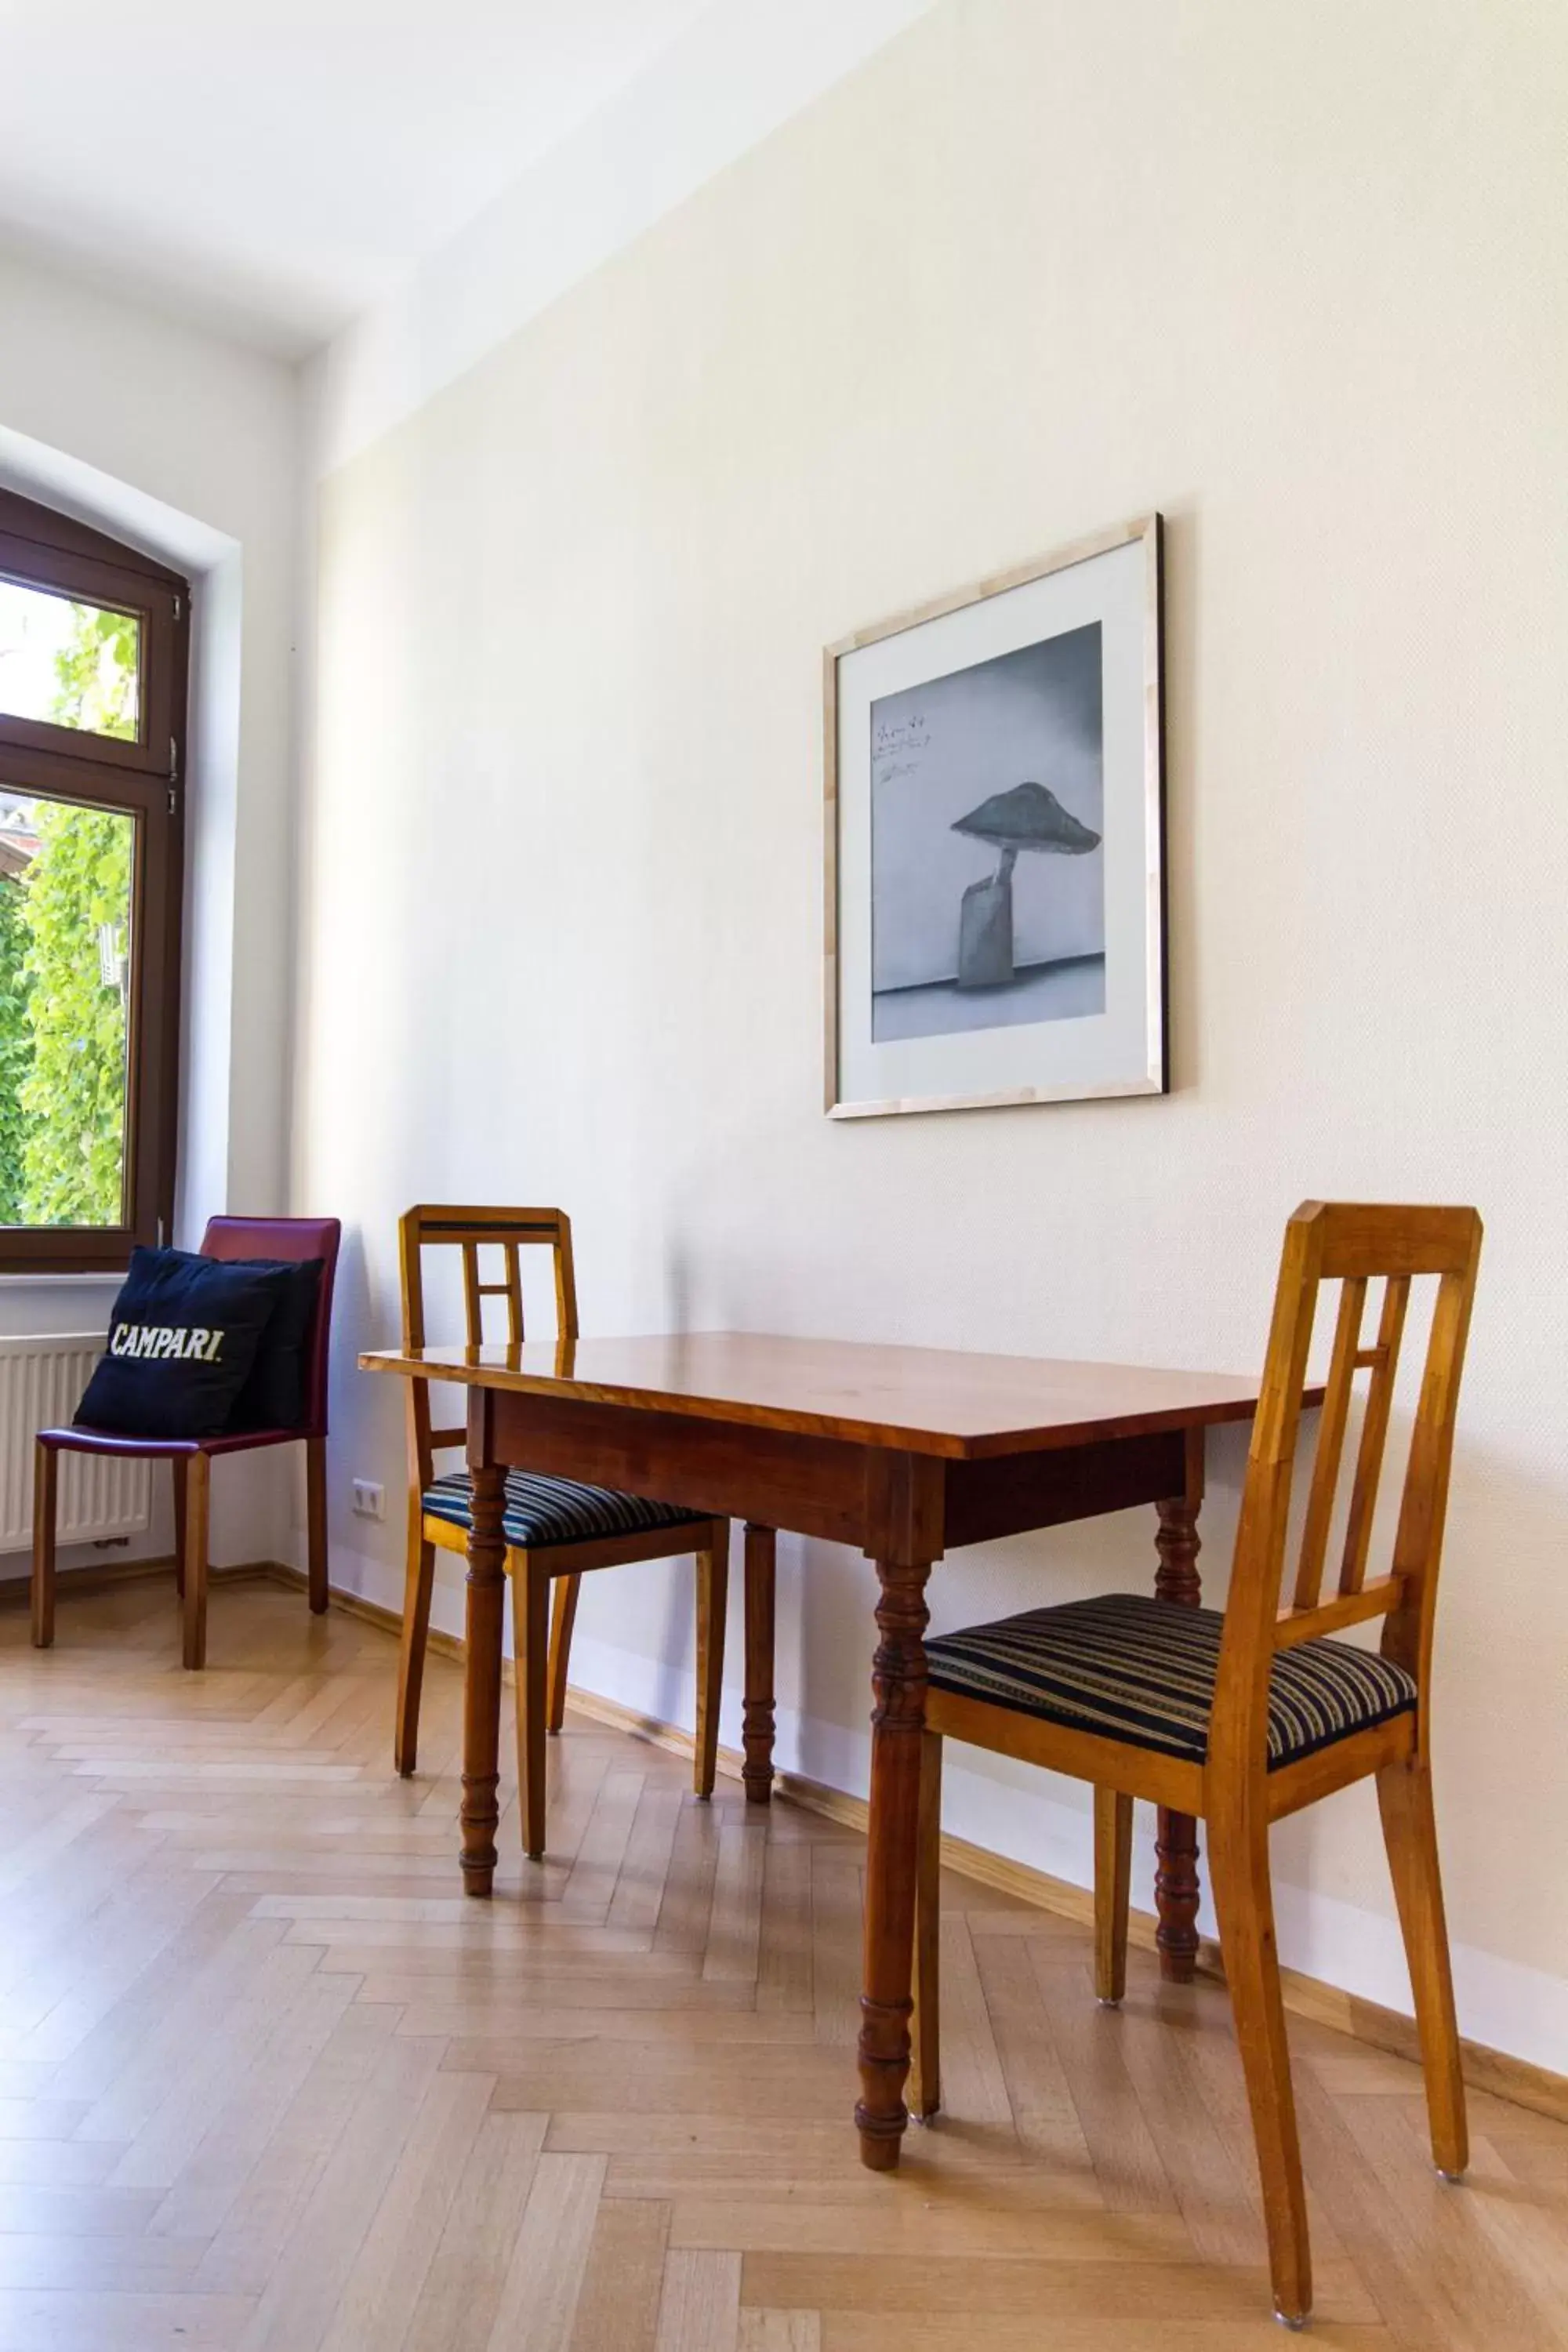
(146, 780)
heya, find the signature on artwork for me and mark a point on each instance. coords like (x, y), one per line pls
(892, 745)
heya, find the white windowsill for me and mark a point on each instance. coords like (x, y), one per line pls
(59, 1281)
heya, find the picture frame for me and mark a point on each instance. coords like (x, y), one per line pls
(994, 902)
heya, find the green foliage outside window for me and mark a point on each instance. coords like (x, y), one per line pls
(63, 937)
(96, 674)
(16, 1049)
(73, 1098)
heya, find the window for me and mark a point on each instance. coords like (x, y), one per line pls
(94, 641)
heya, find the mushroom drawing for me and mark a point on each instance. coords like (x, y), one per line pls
(1030, 816)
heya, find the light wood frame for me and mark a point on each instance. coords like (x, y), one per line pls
(545, 1579)
(1232, 1788)
(1148, 530)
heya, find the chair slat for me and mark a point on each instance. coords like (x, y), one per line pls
(1375, 1433)
(473, 1305)
(566, 1287)
(1347, 1356)
(513, 1288)
(1374, 1600)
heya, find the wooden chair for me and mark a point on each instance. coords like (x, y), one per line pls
(191, 1458)
(556, 1530)
(1246, 1716)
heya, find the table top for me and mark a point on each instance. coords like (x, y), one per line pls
(914, 1400)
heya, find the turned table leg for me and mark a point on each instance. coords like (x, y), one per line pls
(898, 1725)
(485, 1601)
(1176, 1836)
(757, 1718)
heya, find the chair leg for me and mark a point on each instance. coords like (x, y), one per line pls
(45, 1489)
(316, 1521)
(198, 1494)
(418, 1582)
(925, 2026)
(1238, 1866)
(713, 1610)
(1112, 1892)
(529, 1655)
(1410, 1834)
(177, 1472)
(563, 1616)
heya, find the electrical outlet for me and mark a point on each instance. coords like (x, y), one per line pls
(370, 1500)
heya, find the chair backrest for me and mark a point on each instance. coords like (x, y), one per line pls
(509, 1231)
(292, 1240)
(1353, 1244)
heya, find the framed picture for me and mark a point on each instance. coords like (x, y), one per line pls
(995, 840)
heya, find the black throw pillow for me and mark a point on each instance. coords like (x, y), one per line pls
(183, 1337)
(274, 1396)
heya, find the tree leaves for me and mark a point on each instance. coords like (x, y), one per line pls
(73, 1097)
(96, 672)
(16, 1049)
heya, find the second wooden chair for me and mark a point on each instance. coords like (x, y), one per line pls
(556, 1530)
(1245, 1716)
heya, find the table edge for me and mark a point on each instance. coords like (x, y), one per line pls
(890, 1436)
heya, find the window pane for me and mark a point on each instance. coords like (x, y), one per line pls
(76, 665)
(66, 878)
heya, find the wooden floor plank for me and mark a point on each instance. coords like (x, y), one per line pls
(457, 2308)
(1087, 2038)
(395, 2258)
(835, 1946)
(783, 1957)
(645, 1865)
(81, 2320)
(297, 2306)
(1045, 2118)
(859, 2331)
(736, 1924)
(781, 2331)
(254, 2240)
(617, 2308)
(539, 2297)
(596, 1865)
(1039, 2291)
(687, 1903)
(701, 2310)
(240, 2132)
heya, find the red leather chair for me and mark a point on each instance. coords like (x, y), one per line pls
(191, 1458)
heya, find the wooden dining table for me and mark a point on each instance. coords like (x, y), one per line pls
(906, 1453)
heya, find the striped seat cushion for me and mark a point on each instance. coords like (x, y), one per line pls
(1141, 1671)
(542, 1511)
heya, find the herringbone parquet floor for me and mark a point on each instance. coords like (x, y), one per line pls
(269, 2083)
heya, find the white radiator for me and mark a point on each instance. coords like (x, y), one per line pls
(41, 1382)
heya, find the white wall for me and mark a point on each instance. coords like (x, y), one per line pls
(738, 70)
(189, 445)
(1291, 275)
